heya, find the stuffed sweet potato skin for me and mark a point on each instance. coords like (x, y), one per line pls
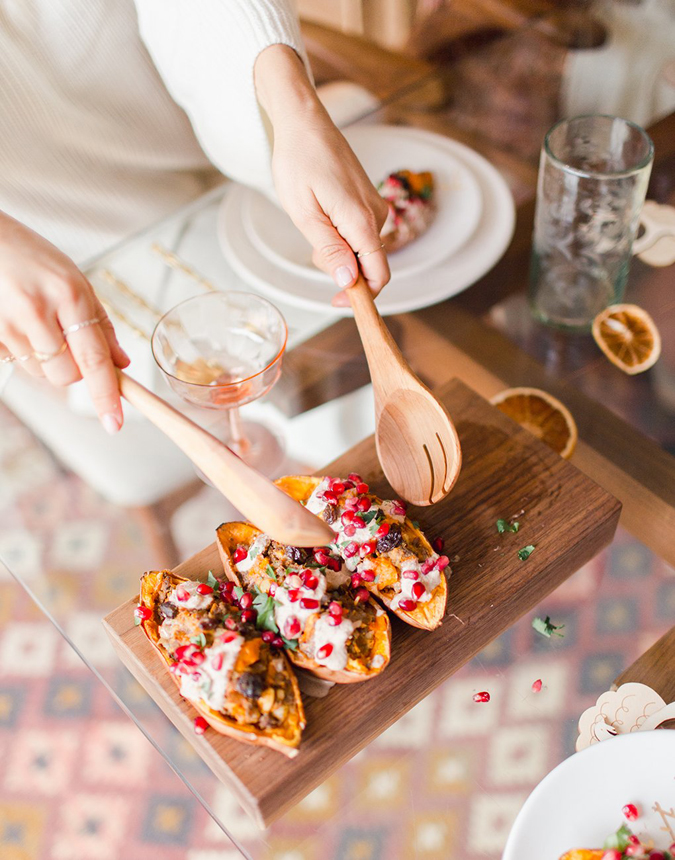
(285, 738)
(426, 616)
(232, 536)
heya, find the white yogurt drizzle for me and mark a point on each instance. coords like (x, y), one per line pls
(194, 601)
(206, 681)
(324, 633)
(253, 551)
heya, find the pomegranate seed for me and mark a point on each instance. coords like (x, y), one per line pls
(657, 855)
(330, 497)
(362, 488)
(230, 623)
(367, 548)
(383, 530)
(309, 579)
(356, 580)
(200, 726)
(268, 636)
(227, 587)
(278, 642)
(672, 848)
(334, 608)
(428, 565)
(359, 523)
(249, 616)
(182, 650)
(218, 661)
(347, 518)
(368, 575)
(246, 600)
(633, 839)
(407, 605)
(203, 588)
(630, 812)
(272, 590)
(182, 594)
(309, 603)
(362, 595)
(438, 544)
(227, 637)
(293, 628)
(335, 620)
(351, 503)
(399, 508)
(410, 574)
(351, 549)
(354, 477)
(338, 488)
(536, 686)
(363, 504)
(196, 676)
(442, 562)
(418, 590)
(635, 850)
(350, 530)
(612, 854)
(349, 485)
(481, 697)
(142, 613)
(321, 557)
(325, 651)
(239, 554)
(334, 564)
(294, 595)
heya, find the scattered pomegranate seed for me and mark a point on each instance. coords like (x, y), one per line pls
(418, 590)
(362, 595)
(657, 855)
(359, 523)
(268, 636)
(293, 581)
(142, 613)
(383, 530)
(227, 637)
(293, 628)
(347, 518)
(351, 503)
(294, 595)
(334, 608)
(442, 562)
(368, 548)
(333, 564)
(536, 686)
(634, 851)
(351, 549)
(239, 554)
(321, 556)
(309, 579)
(227, 587)
(428, 565)
(612, 854)
(218, 661)
(325, 651)
(481, 697)
(362, 488)
(368, 575)
(354, 477)
(182, 594)
(272, 590)
(203, 588)
(410, 574)
(349, 530)
(246, 600)
(356, 580)
(349, 485)
(200, 726)
(309, 603)
(407, 605)
(338, 488)
(230, 623)
(249, 616)
(438, 544)
(630, 812)
(399, 508)
(633, 839)
(278, 642)
(335, 620)
(363, 504)
(672, 848)
(330, 497)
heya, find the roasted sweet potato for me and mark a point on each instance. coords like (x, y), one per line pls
(243, 687)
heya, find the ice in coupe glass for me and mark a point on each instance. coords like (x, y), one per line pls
(593, 177)
(221, 351)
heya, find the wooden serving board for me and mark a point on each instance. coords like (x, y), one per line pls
(565, 515)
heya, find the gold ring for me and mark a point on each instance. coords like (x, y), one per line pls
(367, 253)
(44, 357)
(71, 329)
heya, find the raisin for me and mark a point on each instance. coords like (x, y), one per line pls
(209, 623)
(391, 540)
(168, 610)
(296, 554)
(329, 514)
(251, 685)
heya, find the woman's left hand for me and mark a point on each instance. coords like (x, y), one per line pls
(319, 180)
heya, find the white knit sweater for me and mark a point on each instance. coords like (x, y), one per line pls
(113, 112)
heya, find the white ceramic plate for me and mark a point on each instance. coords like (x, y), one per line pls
(478, 255)
(381, 150)
(578, 805)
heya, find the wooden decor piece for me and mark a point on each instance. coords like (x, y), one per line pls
(506, 473)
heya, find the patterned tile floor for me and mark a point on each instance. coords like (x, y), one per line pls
(78, 781)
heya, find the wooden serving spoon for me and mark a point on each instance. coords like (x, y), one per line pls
(259, 500)
(416, 441)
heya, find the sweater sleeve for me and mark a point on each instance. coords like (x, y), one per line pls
(205, 51)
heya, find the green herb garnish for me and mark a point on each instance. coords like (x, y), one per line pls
(416, 523)
(619, 840)
(212, 581)
(199, 640)
(546, 628)
(505, 526)
(265, 607)
(269, 570)
(369, 516)
(291, 644)
(238, 591)
(525, 552)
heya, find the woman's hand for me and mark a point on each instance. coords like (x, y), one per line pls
(43, 293)
(318, 178)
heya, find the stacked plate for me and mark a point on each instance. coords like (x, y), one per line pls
(471, 231)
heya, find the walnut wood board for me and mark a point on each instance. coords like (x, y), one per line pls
(655, 668)
(565, 515)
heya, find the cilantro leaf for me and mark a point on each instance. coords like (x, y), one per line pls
(264, 604)
(199, 640)
(505, 526)
(212, 581)
(525, 552)
(618, 840)
(290, 644)
(369, 516)
(546, 628)
(238, 591)
(269, 570)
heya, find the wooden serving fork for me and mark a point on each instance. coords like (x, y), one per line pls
(416, 441)
(258, 498)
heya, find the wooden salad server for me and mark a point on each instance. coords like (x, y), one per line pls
(259, 500)
(416, 441)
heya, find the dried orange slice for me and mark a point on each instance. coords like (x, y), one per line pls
(628, 336)
(543, 415)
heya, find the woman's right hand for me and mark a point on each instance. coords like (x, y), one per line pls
(43, 293)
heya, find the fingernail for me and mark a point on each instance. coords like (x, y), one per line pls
(111, 423)
(344, 276)
(125, 354)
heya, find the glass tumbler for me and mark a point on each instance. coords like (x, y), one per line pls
(593, 176)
